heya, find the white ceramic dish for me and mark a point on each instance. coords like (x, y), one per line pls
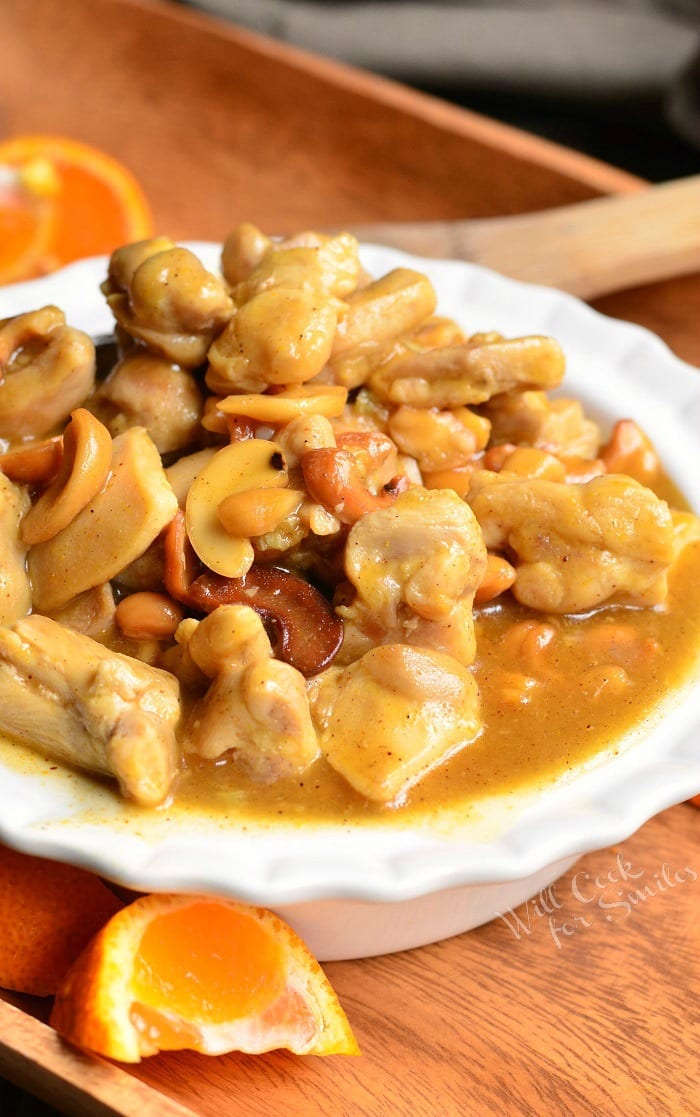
(358, 891)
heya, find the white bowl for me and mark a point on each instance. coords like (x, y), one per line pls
(354, 891)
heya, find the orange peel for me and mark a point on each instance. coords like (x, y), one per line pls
(48, 914)
(172, 972)
(61, 200)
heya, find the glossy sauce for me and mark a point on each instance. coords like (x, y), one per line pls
(576, 708)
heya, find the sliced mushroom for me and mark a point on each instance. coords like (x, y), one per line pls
(308, 632)
(253, 464)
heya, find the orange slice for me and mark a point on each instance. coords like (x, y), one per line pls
(48, 914)
(25, 229)
(61, 200)
(172, 972)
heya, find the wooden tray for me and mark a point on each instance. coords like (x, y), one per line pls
(585, 1010)
(582, 1003)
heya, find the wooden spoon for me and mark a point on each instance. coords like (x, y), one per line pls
(589, 249)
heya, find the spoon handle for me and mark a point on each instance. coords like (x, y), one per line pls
(590, 248)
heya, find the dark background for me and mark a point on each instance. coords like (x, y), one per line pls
(634, 134)
(616, 79)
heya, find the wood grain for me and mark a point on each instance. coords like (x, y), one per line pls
(671, 309)
(222, 126)
(33, 1056)
(489, 1024)
(588, 249)
(595, 1023)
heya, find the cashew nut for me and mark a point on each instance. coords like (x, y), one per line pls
(256, 512)
(338, 477)
(242, 251)
(148, 616)
(180, 564)
(33, 463)
(87, 456)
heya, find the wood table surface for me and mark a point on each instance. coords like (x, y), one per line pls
(571, 1006)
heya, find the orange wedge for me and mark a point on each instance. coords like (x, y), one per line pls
(61, 200)
(172, 972)
(48, 913)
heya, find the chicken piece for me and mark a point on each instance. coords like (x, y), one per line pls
(576, 547)
(356, 366)
(117, 526)
(415, 566)
(471, 373)
(46, 370)
(281, 336)
(15, 590)
(378, 323)
(148, 391)
(170, 302)
(71, 698)
(329, 266)
(338, 258)
(385, 309)
(417, 707)
(283, 328)
(125, 260)
(91, 613)
(256, 705)
(145, 573)
(532, 419)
